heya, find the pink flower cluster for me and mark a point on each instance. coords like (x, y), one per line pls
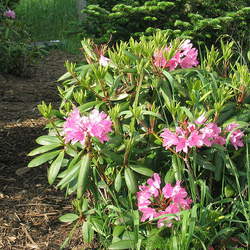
(185, 57)
(10, 13)
(154, 201)
(77, 128)
(191, 135)
(236, 135)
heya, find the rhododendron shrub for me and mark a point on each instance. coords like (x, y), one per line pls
(153, 141)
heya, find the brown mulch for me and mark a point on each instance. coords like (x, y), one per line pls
(29, 207)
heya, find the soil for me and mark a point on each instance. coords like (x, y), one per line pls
(29, 207)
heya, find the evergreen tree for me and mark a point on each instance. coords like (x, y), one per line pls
(200, 20)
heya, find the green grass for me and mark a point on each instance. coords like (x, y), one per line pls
(49, 20)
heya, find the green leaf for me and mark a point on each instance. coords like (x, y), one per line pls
(130, 180)
(131, 56)
(169, 77)
(85, 204)
(205, 96)
(109, 79)
(119, 97)
(89, 105)
(71, 187)
(225, 116)
(44, 149)
(64, 77)
(83, 175)
(170, 176)
(151, 113)
(71, 165)
(47, 139)
(114, 156)
(118, 182)
(115, 85)
(87, 232)
(229, 191)
(69, 92)
(84, 69)
(43, 158)
(71, 150)
(127, 235)
(219, 163)
(55, 168)
(188, 113)
(68, 217)
(87, 50)
(97, 225)
(118, 230)
(142, 170)
(123, 244)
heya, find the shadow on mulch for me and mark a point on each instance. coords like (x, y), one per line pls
(29, 207)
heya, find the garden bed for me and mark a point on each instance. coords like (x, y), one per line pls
(29, 207)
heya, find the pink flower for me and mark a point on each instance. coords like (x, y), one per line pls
(143, 197)
(173, 62)
(191, 127)
(177, 194)
(154, 184)
(77, 127)
(154, 202)
(184, 57)
(195, 139)
(189, 135)
(175, 139)
(10, 13)
(159, 59)
(148, 213)
(74, 127)
(220, 140)
(236, 135)
(104, 61)
(230, 127)
(190, 60)
(169, 138)
(211, 135)
(186, 46)
(99, 125)
(166, 221)
(182, 138)
(188, 55)
(182, 145)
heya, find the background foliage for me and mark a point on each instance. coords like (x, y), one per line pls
(199, 20)
(16, 51)
(47, 19)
